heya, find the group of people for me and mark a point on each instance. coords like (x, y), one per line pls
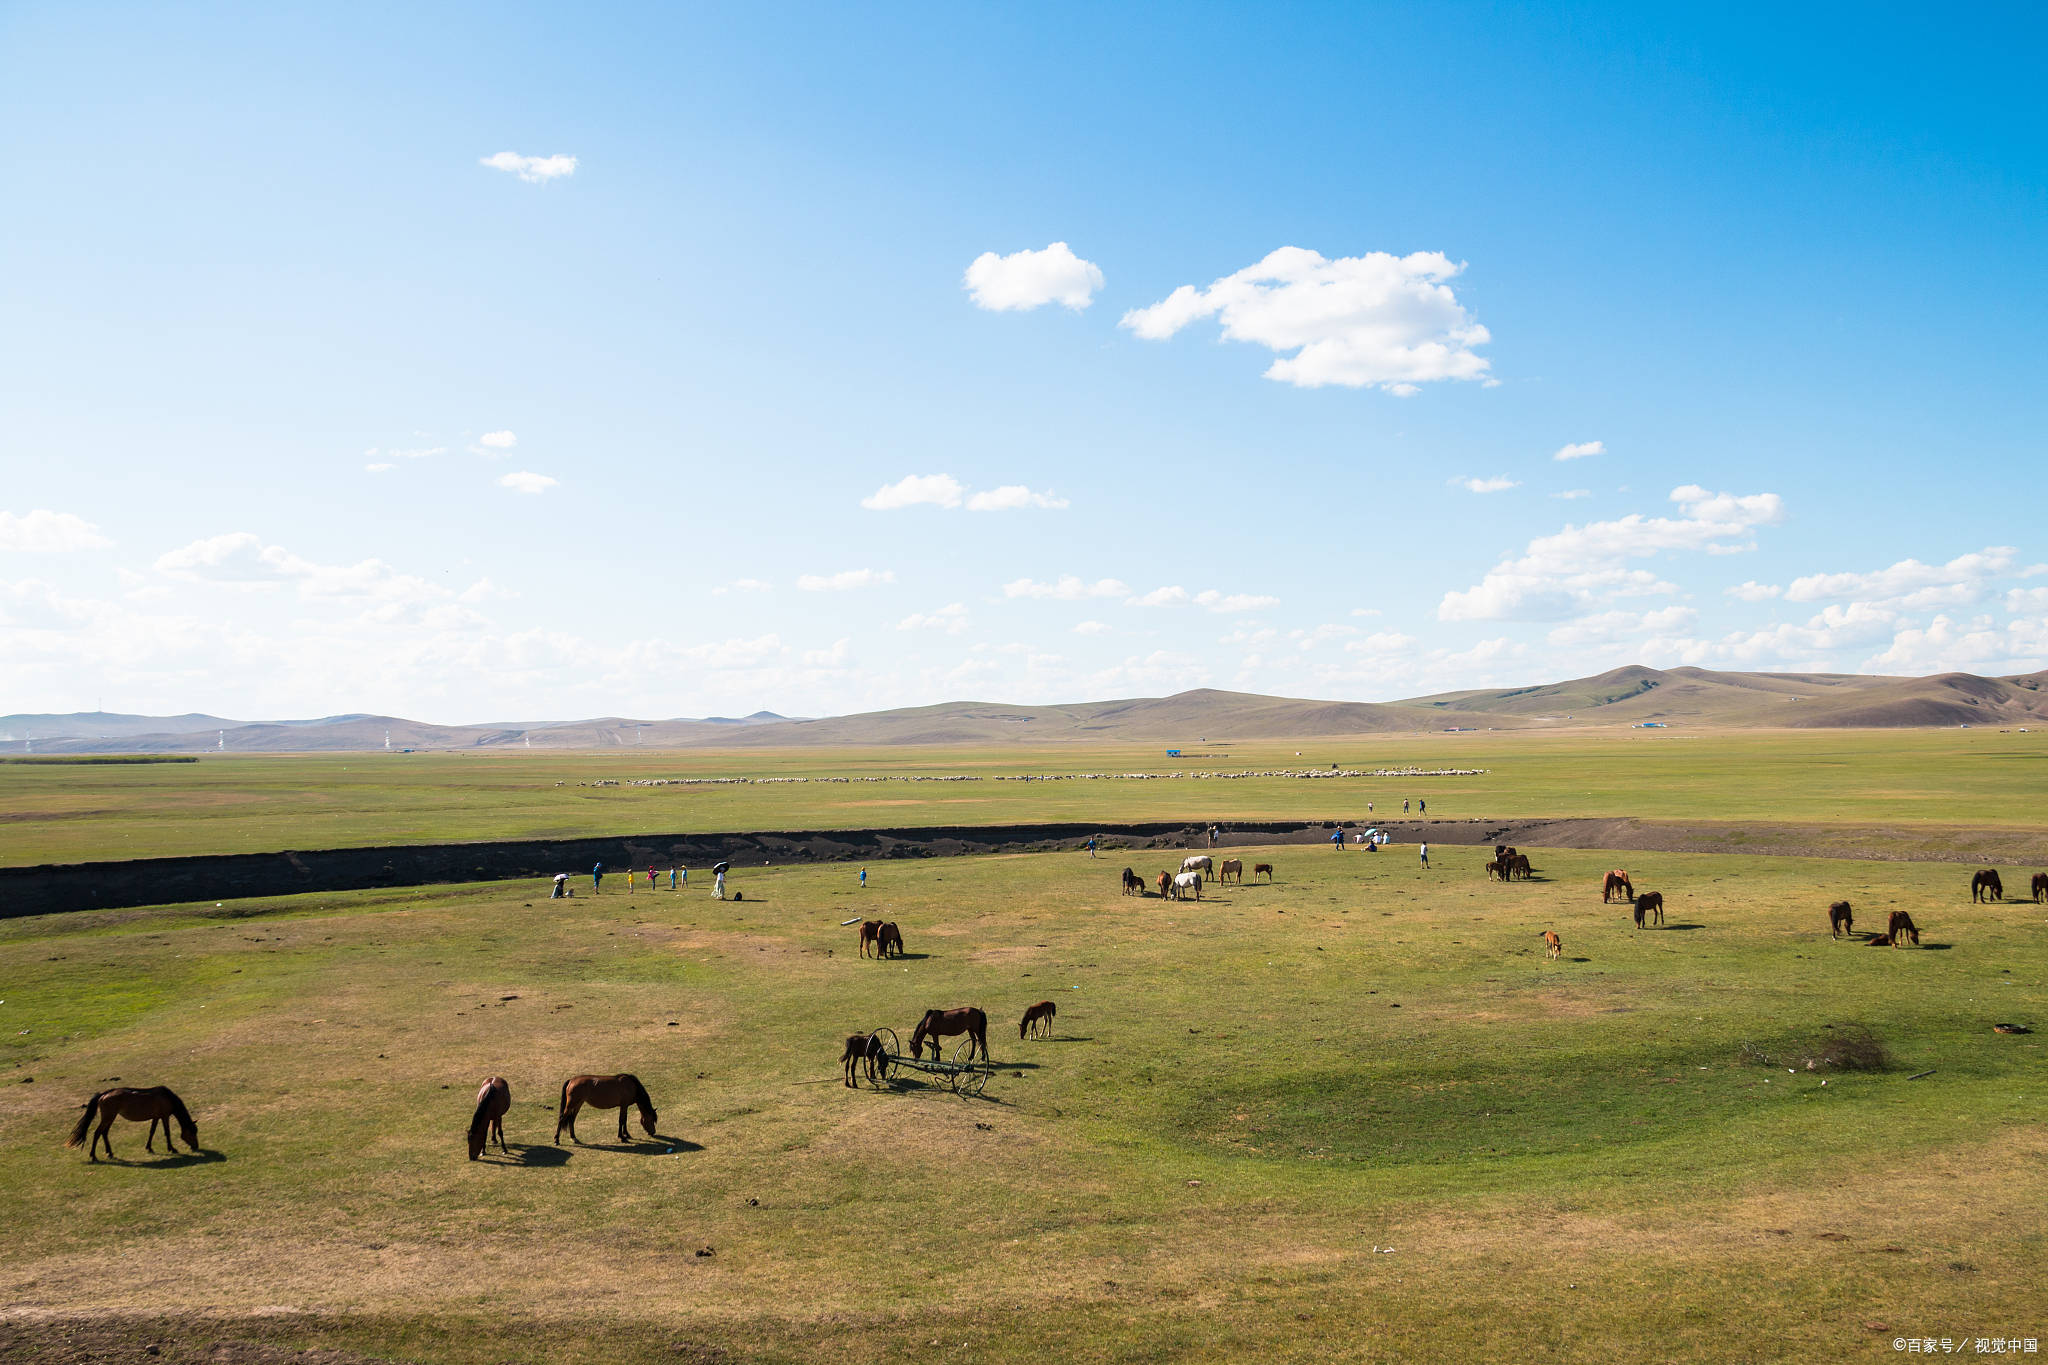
(678, 880)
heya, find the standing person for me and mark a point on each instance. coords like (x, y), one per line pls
(863, 879)
(1091, 846)
(1422, 807)
(650, 878)
(1337, 841)
(1425, 855)
(1368, 808)
(1212, 836)
(561, 886)
(596, 876)
(718, 888)
(686, 879)
(671, 879)
(1404, 805)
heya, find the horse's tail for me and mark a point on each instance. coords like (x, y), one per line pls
(565, 1097)
(186, 1126)
(92, 1108)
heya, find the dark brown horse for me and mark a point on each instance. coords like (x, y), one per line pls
(1900, 928)
(1617, 884)
(1228, 868)
(1985, 886)
(603, 1092)
(1041, 1015)
(1266, 868)
(861, 1048)
(156, 1104)
(1518, 866)
(2040, 886)
(1649, 903)
(938, 1024)
(870, 931)
(889, 940)
(1840, 920)
(1165, 881)
(1134, 885)
(492, 1102)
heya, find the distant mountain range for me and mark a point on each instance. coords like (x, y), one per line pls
(1625, 696)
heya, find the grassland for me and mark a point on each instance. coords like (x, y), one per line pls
(1925, 786)
(1351, 1116)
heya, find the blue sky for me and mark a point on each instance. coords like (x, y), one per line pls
(1782, 273)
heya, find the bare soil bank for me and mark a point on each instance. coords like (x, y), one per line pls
(58, 888)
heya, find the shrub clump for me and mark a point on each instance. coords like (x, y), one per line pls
(1844, 1047)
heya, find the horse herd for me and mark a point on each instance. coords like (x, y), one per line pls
(1188, 881)
(158, 1105)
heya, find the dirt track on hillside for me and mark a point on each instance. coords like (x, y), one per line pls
(53, 889)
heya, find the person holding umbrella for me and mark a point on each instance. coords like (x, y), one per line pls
(718, 877)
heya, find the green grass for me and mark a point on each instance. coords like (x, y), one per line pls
(1905, 791)
(1571, 1160)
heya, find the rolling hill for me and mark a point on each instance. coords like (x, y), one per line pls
(1634, 695)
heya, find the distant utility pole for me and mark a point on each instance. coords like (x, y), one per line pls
(222, 741)
(387, 741)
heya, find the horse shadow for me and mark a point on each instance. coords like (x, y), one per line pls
(202, 1157)
(905, 957)
(1581, 959)
(1673, 928)
(529, 1154)
(657, 1146)
(1070, 1038)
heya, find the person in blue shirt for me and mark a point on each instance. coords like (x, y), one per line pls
(596, 876)
(863, 877)
(1337, 840)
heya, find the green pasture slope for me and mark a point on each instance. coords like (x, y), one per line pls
(1353, 1115)
(1885, 785)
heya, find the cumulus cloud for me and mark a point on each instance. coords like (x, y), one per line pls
(1573, 494)
(1753, 591)
(1622, 627)
(534, 170)
(1582, 567)
(1376, 320)
(1912, 585)
(494, 443)
(1067, 588)
(951, 618)
(1499, 483)
(1177, 596)
(1579, 450)
(1031, 279)
(45, 532)
(526, 481)
(379, 467)
(846, 580)
(241, 557)
(938, 490)
(1947, 645)
(1012, 496)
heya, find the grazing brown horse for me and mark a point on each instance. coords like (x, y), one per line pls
(1228, 868)
(492, 1102)
(870, 931)
(1040, 1014)
(2040, 886)
(1840, 920)
(603, 1092)
(938, 1024)
(1985, 886)
(1266, 868)
(1649, 903)
(889, 941)
(1165, 881)
(1878, 941)
(1555, 944)
(1900, 928)
(861, 1047)
(1134, 885)
(1518, 866)
(156, 1104)
(1617, 884)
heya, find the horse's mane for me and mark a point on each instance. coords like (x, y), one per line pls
(640, 1095)
(178, 1109)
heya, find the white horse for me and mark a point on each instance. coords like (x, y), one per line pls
(1200, 862)
(1186, 882)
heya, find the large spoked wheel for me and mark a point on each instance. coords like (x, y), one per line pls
(970, 1070)
(891, 1050)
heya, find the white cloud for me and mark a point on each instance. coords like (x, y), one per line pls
(494, 443)
(1012, 495)
(1945, 645)
(240, 557)
(1573, 494)
(1582, 567)
(1093, 628)
(1381, 642)
(1912, 585)
(534, 170)
(379, 467)
(939, 490)
(45, 532)
(835, 657)
(1753, 591)
(1177, 596)
(526, 481)
(1579, 450)
(845, 581)
(1612, 627)
(1367, 611)
(1376, 319)
(1500, 483)
(1067, 589)
(951, 618)
(1032, 279)
(1310, 638)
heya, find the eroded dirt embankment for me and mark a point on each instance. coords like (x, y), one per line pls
(56, 888)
